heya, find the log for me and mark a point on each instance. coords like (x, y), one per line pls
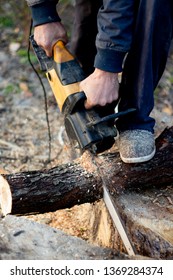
(148, 220)
(143, 193)
(80, 181)
(22, 239)
(49, 190)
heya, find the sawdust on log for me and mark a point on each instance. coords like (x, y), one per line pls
(87, 162)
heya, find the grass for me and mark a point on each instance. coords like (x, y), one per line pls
(23, 55)
(6, 22)
(11, 89)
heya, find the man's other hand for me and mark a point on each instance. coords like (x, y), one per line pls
(100, 88)
(46, 35)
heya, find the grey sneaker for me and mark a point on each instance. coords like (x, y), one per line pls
(136, 146)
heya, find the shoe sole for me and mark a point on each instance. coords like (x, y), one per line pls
(139, 159)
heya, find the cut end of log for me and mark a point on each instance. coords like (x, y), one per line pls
(5, 197)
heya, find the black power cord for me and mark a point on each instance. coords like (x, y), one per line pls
(44, 91)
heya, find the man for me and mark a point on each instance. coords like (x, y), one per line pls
(133, 37)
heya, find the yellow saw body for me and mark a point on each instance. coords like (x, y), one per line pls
(92, 129)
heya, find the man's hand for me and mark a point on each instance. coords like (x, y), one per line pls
(100, 88)
(46, 35)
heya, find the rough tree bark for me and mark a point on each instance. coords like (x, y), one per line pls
(143, 193)
(49, 190)
(80, 181)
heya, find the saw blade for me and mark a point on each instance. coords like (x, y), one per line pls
(117, 221)
(113, 211)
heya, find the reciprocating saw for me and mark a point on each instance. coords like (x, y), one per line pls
(92, 129)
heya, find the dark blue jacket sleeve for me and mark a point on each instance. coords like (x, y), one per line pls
(115, 29)
(43, 11)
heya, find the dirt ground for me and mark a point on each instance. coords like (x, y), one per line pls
(24, 139)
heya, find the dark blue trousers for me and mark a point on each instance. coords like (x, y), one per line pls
(145, 62)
